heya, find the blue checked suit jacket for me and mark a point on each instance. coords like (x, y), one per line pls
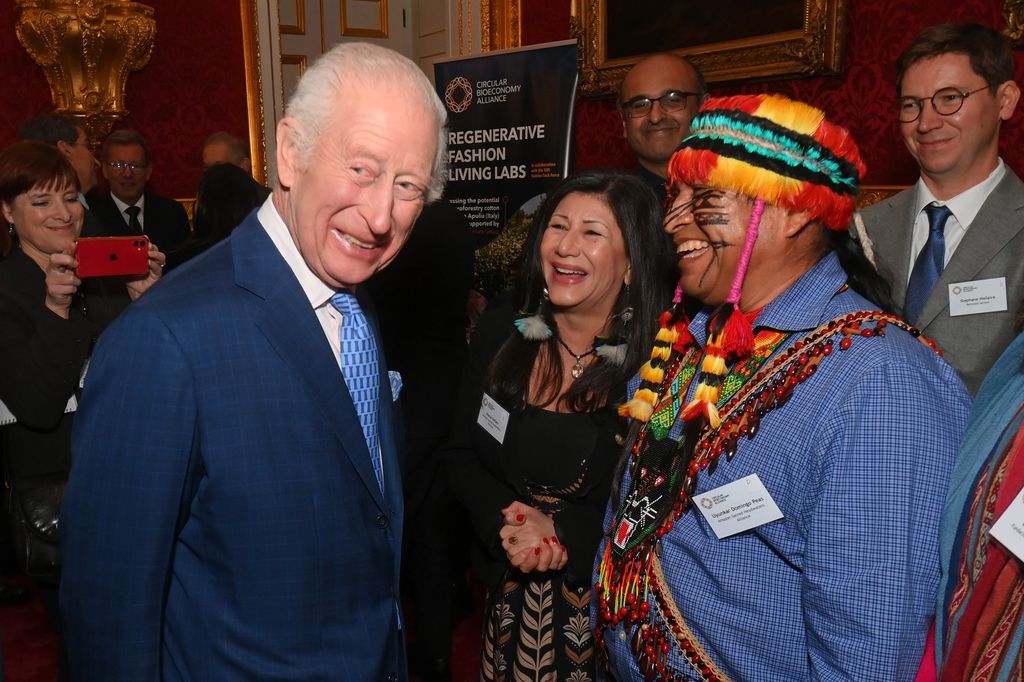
(222, 520)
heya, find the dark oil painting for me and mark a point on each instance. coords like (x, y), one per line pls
(640, 28)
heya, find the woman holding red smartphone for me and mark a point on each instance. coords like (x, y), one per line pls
(46, 336)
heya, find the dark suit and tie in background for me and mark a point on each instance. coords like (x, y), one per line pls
(129, 208)
(952, 246)
(161, 219)
(231, 514)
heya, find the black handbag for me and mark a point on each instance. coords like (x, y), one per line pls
(33, 508)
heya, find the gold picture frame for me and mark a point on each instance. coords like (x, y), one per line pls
(1013, 17)
(500, 24)
(811, 46)
(254, 89)
(872, 194)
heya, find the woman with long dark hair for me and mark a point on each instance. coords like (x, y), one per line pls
(226, 195)
(534, 441)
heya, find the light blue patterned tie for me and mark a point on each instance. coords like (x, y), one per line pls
(359, 365)
(929, 263)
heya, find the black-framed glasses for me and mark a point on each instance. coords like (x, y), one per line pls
(945, 102)
(119, 166)
(673, 100)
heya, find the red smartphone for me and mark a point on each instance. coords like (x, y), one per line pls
(109, 256)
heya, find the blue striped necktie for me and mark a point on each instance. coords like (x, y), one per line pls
(929, 263)
(359, 366)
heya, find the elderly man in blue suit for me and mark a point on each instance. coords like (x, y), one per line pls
(235, 504)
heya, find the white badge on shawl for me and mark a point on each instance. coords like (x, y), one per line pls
(1009, 527)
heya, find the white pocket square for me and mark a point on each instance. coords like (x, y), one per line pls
(396, 384)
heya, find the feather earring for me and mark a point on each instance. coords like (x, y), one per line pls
(533, 326)
(615, 353)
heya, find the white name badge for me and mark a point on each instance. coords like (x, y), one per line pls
(1009, 527)
(979, 296)
(738, 506)
(7, 417)
(493, 418)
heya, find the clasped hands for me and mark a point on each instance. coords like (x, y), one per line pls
(528, 538)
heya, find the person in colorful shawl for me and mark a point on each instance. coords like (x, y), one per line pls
(978, 625)
(792, 444)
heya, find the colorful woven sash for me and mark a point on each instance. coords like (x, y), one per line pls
(987, 606)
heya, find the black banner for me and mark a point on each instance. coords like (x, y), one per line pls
(510, 137)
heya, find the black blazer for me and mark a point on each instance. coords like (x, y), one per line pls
(41, 359)
(164, 220)
(426, 341)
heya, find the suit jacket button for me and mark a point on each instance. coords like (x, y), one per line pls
(382, 521)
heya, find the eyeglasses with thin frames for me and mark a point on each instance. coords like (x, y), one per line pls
(673, 100)
(945, 102)
(120, 166)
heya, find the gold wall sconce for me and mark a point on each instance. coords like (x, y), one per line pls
(87, 48)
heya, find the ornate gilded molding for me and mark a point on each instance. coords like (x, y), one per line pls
(1013, 17)
(872, 194)
(254, 89)
(87, 48)
(817, 48)
(500, 26)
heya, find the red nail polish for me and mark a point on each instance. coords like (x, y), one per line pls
(536, 550)
(554, 539)
(520, 517)
(546, 541)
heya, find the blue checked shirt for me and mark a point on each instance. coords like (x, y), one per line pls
(858, 461)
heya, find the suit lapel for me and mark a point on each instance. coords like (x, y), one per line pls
(1000, 219)
(292, 329)
(892, 235)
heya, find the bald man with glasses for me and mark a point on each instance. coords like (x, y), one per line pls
(657, 100)
(952, 245)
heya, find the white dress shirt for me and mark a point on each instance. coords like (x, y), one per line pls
(964, 206)
(121, 207)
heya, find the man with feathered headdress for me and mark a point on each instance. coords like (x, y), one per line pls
(792, 443)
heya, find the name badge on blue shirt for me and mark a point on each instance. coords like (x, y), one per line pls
(738, 506)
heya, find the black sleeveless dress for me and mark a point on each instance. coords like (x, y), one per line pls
(537, 625)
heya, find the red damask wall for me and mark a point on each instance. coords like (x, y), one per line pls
(858, 99)
(193, 85)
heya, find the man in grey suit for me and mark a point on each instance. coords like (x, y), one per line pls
(952, 246)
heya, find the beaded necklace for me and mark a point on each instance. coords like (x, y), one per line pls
(577, 369)
(664, 473)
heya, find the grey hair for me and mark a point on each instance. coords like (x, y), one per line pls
(239, 150)
(313, 102)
